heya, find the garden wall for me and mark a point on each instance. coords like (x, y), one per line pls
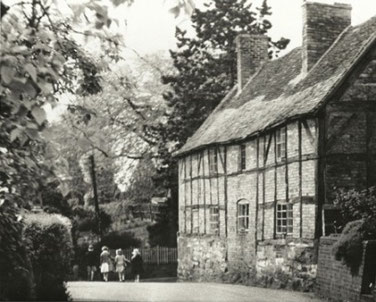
(334, 278)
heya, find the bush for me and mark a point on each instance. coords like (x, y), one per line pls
(16, 275)
(358, 209)
(49, 245)
(86, 220)
(349, 247)
(123, 240)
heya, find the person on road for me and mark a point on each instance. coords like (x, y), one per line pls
(120, 264)
(105, 262)
(90, 263)
(137, 266)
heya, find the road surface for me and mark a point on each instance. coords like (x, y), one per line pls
(179, 292)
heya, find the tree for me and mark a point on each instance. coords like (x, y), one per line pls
(40, 61)
(205, 68)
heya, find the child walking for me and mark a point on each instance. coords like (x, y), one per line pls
(120, 264)
(137, 267)
(105, 262)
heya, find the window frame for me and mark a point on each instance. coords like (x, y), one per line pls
(213, 161)
(195, 228)
(242, 217)
(284, 219)
(214, 220)
(280, 141)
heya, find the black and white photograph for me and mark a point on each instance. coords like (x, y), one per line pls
(188, 150)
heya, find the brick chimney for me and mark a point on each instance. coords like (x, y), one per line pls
(252, 52)
(322, 24)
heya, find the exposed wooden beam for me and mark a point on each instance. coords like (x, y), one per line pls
(300, 178)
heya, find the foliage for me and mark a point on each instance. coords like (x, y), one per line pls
(40, 60)
(349, 247)
(358, 209)
(142, 187)
(163, 232)
(116, 240)
(16, 275)
(356, 205)
(110, 126)
(86, 220)
(205, 71)
(50, 249)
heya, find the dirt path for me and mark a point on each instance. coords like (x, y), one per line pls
(176, 292)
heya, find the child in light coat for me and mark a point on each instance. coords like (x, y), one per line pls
(120, 264)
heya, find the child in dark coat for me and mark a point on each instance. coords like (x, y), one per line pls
(137, 266)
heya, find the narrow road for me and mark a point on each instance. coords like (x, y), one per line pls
(179, 292)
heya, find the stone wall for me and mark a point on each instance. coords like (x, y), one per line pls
(334, 278)
(202, 258)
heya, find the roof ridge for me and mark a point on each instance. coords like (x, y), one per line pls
(267, 99)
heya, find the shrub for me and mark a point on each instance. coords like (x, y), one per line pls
(86, 220)
(16, 276)
(349, 247)
(49, 245)
(358, 209)
(121, 240)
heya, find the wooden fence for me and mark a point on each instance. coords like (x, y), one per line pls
(155, 255)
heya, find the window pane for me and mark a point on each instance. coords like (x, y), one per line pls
(284, 220)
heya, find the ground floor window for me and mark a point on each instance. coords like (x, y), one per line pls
(284, 218)
(243, 215)
(214, 220)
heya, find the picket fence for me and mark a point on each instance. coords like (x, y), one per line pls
(155, 255)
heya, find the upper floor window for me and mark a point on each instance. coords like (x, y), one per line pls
(243, 163)
(243, 215)
(284, 218)
(281, 143)
(213, 161)
(214, 220)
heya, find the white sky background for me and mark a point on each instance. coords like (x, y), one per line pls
(151, 27)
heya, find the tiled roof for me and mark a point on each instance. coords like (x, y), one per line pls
(279, 92)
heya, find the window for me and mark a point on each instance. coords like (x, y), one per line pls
(243, 163)
(195, 228)
(213, 161)
(214, 220)
(284, 219)
(281, 143)
(243, 215)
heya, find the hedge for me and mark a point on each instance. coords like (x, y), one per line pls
(49, 243)
(16, 274)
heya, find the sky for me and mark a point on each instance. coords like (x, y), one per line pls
(150, 27)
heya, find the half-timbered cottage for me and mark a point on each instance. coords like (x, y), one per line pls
(257, 176)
